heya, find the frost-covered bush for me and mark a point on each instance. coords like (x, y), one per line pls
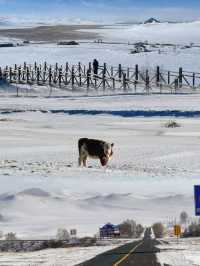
(193, 230)
(10, 236)
(62, 234)
(172, 124)
(183, 217)
(130, 228)
(159, 230)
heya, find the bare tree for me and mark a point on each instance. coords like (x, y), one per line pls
(158, 229)
(139, 230)
(183, 217)
(130, 228)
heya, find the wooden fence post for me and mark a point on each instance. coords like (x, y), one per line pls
(79, 74)
(73, 77)
(176, 85)
(136, 77)
(193, 80)
(27, 75)
(35, 66)
(10, 74)
(124, 81)
(50, 75)
(60, 77)
(56, 67)
(45, 66)
(66, 73)
(180, 77)
(168, 77)
(147, 81)
(38, 75)
(19, 74)
(88, 79)
(120, 71)
(104, 76)
(157, 75)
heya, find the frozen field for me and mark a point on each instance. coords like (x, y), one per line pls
(150, 177)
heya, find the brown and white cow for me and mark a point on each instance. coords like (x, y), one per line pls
(93, 148)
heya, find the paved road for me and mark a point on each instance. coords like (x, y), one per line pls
(140, 253)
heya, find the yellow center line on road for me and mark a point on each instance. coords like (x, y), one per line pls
(127, 255)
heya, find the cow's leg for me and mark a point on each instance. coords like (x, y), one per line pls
(84, 161)
(80, 161)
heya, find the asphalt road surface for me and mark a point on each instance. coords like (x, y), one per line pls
(140, 253)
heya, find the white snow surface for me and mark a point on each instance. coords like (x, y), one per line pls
(150, 177)
(183, 253)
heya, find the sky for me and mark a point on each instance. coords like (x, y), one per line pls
(101, 10)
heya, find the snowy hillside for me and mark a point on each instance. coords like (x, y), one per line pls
(177, 33)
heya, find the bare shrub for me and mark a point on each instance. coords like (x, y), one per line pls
(172, 124)
(139, 230)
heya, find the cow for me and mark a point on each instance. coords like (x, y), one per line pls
(96, 149)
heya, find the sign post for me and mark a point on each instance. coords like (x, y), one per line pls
(177, 231)
(197, 200)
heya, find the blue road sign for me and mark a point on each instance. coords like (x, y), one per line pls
(197, 200)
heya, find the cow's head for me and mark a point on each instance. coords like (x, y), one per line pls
(108, 152)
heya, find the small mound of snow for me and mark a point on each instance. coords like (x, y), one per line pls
(36, 192)
(6, 197)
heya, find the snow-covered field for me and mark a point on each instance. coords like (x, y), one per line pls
(150, 177)
(169, 58)
(153, 170)
(109, 53)
(55, 257)
(185, 253)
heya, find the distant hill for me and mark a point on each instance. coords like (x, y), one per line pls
(151, 20)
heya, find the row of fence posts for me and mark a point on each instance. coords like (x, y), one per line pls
(52, 75)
